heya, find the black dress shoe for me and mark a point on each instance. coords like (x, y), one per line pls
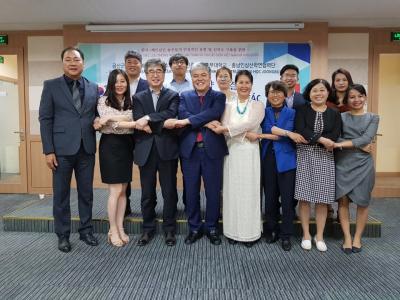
(89, 239)
(356, 249)
(286, 244)
(214, 237)
(271, 238)
(170, 239)
(145, 238)
(64, 244)
(193, 236)
(347, 251)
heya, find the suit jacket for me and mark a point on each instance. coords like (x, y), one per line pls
(62, 126)
(298, 100)
(142, 85)
(285, 151)
(199, 115)
(166, 140)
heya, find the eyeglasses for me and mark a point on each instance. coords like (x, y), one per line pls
(275, 93)
(179, 62)
(289, 76)
(153, 72)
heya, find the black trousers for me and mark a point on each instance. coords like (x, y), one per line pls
(83, 166)
(278, 185)
(148, 179)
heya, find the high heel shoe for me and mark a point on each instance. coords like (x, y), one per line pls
(124, 237)
(115, 243)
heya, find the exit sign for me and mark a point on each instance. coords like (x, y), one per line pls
(1, 59)
(395, 36)
(3, 39)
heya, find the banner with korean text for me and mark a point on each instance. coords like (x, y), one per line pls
(264, 60)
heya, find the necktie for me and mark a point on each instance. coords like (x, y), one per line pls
(199, 137)
(76, 97)
(155, 97)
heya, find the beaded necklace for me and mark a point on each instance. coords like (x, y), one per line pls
(241, 112)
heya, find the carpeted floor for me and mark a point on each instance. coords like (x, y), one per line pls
(31, 267)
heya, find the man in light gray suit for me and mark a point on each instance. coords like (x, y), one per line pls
(66, 113)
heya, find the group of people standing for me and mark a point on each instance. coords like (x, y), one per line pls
(297, 147)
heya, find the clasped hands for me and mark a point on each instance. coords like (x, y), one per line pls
(141, 124)
(175, 123)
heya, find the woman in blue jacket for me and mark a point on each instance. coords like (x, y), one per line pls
(278, 164)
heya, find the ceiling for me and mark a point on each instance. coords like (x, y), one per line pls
(52, 14)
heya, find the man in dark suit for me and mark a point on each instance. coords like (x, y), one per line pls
(133, 67)
(156, 150)
(290, 76)
(202, 152)
(66, 113)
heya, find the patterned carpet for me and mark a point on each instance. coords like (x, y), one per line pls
(31, 267)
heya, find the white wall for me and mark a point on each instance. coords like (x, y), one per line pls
(44, 62)
(349, 51)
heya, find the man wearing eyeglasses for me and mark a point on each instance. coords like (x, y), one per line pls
(290, 76)
(156, 150)
(178, 64)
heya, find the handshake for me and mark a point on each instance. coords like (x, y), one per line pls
(213, 125)
(175, 123)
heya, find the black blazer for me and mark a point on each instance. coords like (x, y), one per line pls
(298, 100)
(166, 140)
(304, 124)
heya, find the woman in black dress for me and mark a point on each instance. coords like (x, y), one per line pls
(116, 151)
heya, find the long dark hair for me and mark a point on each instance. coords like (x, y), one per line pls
(333, 97)
(110, 91)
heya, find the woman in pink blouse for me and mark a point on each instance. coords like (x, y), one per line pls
(116, 151)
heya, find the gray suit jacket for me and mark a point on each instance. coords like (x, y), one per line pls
(62, 126)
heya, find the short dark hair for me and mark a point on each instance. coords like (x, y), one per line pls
(133, 54)
(110, 91)
(244, 73)
(224, 69)
(176, 57)
(71, 48)
(276, 85)
(289, 67)
(154, 61)
(311, 84)
(358, 87)
(333, 97)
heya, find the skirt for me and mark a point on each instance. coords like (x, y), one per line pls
(315, 175)
(116, 158)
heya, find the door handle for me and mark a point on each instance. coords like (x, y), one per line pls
(21, 135)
